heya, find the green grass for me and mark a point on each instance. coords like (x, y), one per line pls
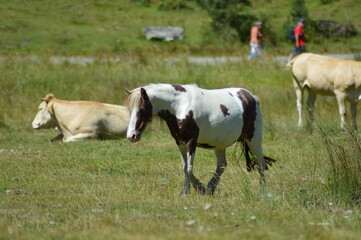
(106, 27)
(115, 189)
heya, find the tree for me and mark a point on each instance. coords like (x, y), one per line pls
(231, 18)
(298, 10)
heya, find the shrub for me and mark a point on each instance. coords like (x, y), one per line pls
(231, 18)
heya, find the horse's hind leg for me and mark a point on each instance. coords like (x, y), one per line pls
(221, 165)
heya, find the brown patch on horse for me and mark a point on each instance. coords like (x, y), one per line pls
(189, 131)
(179, 88)
(172, 124)
(249, 104)
(185, 130)
(145, 111)
(224, 110)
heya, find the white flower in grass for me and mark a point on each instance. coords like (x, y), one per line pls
(207, 206)
(190, 222)
(97, 210)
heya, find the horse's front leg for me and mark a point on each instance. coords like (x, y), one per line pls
(187, 154)
(221, 165)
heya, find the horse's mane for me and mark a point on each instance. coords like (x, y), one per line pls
(133, 99)
(134, 96)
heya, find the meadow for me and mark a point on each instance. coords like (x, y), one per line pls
(118, 190)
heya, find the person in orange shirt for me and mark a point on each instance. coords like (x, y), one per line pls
(255, 41)
(300, 39)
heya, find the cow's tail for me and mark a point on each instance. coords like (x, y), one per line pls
(250, 162)
(290, 63)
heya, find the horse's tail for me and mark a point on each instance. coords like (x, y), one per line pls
(250, 162)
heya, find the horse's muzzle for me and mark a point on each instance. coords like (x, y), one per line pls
(134, 137)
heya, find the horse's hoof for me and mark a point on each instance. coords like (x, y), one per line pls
(210, 191)
(184, 193)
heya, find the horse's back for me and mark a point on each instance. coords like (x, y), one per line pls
(220, 116)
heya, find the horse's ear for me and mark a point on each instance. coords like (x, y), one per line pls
(127, 91)
(144, 95)
(48, 98)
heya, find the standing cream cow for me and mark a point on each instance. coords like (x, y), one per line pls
(326, 76)
(80, 120)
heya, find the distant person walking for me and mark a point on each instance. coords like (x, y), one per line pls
(255, 41)
(299, 39)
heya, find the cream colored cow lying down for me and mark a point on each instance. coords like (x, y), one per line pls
(326, 76)
(80, 120)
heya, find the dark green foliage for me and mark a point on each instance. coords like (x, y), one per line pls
(230, 18)
(298, 10)
(327, 1)
(173, 4)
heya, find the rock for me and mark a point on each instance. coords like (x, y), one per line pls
(164, 33)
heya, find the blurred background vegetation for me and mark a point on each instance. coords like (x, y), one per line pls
(216, 27)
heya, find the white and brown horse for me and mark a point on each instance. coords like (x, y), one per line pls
(196, 117)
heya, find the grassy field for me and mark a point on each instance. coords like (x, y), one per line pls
(107, 27)
(115, 189)
(118, 190)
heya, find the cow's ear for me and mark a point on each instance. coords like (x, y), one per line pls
(48, 98)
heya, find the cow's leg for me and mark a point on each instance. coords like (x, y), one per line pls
(311, 103)
(221, 165)
(353, 114)
(80, 137)
(187, 156)
(299, 95)
(340, 96)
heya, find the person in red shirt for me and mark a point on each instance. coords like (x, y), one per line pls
(300, 39)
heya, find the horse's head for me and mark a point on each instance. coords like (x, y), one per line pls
(141, 113)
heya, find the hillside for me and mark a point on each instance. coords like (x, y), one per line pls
(105, 27)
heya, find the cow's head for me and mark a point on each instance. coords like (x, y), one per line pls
(44, 118)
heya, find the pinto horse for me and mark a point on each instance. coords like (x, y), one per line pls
(196, 117)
